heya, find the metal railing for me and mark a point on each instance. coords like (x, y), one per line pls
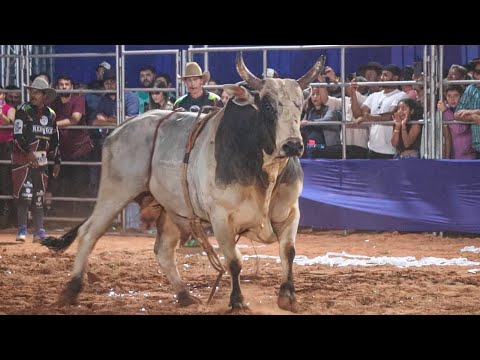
(432, 84)
(344, 123)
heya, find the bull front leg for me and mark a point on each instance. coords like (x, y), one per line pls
(287, 232)
(286, 296)
(233, 258)
(236, 298)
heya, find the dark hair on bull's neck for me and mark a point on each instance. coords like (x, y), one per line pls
(242, 136)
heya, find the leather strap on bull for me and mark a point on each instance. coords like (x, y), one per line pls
(195, 222)
(155, 135)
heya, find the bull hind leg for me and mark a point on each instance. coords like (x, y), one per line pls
(106, 209)
(168, 236)
(286, 233)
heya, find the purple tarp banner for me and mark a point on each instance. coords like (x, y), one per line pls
(402, 195)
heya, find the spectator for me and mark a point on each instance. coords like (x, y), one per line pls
(159, 99)
(14, 98)
(468, 108)
(197, 97)
(372, 72)
(329, 76)
(97, 84)
(457, 72)
(107, 108)
(379, 107)
(106, 114)
(7, 117)
(471, 67)
(215, 91)
(35, 136)
(407, 75)
(406, 137)
(147, 78)
(167, 80)
(458, 144)
(75, 145)
(356, 137)
(326, 136)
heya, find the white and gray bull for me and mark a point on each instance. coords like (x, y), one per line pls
(244, 177)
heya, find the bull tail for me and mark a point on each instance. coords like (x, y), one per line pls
(62, 243)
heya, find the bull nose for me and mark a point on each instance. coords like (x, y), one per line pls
(293, 148)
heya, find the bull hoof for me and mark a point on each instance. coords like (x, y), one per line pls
(185, 299)
(70, 294)
(288, 303)
(238, 307)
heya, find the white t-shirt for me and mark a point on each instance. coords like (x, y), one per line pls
(355, 136)
(380, 136)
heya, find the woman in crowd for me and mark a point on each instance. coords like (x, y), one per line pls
(158, 99)
(406, 137)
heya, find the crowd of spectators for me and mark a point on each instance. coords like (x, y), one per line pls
(378, 119)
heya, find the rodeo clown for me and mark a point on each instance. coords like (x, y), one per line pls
(35, 135)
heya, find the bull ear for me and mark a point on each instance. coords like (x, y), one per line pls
(254, 82)
(306, 79)
(241, 96)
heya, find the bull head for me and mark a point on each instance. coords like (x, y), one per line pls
(254, 82)
(306, 79)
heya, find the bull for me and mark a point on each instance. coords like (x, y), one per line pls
(242, 176)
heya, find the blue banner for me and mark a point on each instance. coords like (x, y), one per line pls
(389, 195)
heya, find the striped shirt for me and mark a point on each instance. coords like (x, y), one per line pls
(471, 101)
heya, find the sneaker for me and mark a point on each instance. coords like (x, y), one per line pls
(22, 233)
(39, 236)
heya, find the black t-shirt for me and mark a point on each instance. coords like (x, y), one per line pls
(190, 104)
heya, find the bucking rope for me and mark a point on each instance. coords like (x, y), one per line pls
(195, 222)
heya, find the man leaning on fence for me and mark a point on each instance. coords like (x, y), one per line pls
(197, 97)
(75, 144)
(469, 108)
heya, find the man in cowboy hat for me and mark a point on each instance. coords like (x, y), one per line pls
(197, 97)
(35, 136)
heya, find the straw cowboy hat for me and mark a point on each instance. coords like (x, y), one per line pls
(42, 84)
(193, 69)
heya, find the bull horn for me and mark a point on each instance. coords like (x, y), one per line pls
(306, 79)
(254, 82)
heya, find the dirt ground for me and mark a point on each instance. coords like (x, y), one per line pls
(124, 277)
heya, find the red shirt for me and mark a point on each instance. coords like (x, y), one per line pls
(6, 135)
(73, 143)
